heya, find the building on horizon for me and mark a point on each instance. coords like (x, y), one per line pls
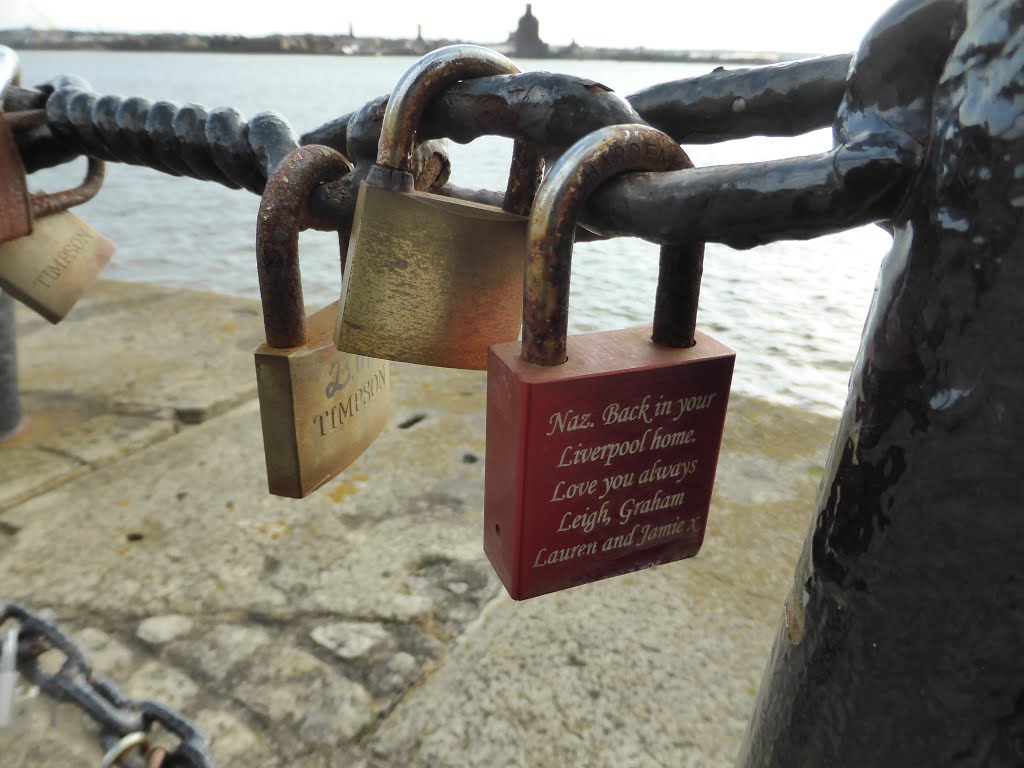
(526, 40)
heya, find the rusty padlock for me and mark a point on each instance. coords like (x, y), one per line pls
(431, 279)
(15, 213)
(601, 448)
(320, 408)
(50, 269)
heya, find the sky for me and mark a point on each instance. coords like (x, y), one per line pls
(799, 26)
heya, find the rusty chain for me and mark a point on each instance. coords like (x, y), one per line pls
(123, 723)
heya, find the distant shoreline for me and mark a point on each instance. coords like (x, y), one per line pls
(347, 45)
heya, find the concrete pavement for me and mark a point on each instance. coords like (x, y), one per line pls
(361, 626)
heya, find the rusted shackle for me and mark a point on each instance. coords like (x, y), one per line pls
(319, 408)
(42, 204)
(277, 239)
(407, 103)
(560, 200)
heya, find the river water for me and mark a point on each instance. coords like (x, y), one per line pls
(793, 311)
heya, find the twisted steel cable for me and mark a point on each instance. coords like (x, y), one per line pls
(213, 145)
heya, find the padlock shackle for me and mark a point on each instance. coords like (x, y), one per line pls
(277, 238)
(420, 84)
(47, 203)
(584, 167)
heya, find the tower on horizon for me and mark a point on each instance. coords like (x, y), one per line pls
(526, 39)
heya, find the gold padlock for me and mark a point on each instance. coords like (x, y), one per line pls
(320, 408)
(50, 269)
(431, 279)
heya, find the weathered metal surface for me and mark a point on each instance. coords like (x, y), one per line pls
(132, 138)
(15, 210)
(277, 241)
(78, 117)
(46, 203)
(777, 100)
(319, 408)
(271, 138)
(903, 645)
(52, 268)
(431, 280)
(420, 85)
(554, 110)
(549, 112)
(218, 145)
(417, 89)
(577, 174)
(675, 304)
(228, 137)
(23, 121)
(189, 125)
(159, 126)
(76, 682)
(756, 203)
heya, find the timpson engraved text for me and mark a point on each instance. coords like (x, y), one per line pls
(351, 398)
(63, 260)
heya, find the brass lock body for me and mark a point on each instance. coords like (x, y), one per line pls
(50, 269)
(320, 408)
(430, 279)
(442, 308)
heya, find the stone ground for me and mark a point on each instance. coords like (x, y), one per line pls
(361, 626)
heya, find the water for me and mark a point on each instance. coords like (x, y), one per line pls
(793, 311)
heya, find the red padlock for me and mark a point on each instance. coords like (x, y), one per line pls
(601, 448)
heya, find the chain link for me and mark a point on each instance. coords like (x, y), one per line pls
(118, 717)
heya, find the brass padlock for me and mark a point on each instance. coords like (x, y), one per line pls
(320, 408)
(431, 279)
(50, 269)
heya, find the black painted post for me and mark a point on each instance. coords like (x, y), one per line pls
(903, 638)
(10, 403)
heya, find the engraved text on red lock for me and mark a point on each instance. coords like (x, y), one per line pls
(605, 464)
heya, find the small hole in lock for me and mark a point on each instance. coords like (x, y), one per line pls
(497, 529)
(412, 421)
(134, 537)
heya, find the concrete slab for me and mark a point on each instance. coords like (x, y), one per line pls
(657, 668)
(363, 626)
(64, 437)
(187, 528)
(141, 348)
(25, 472)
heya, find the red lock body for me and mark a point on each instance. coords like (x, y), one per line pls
(601, 448)
(605, 464)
